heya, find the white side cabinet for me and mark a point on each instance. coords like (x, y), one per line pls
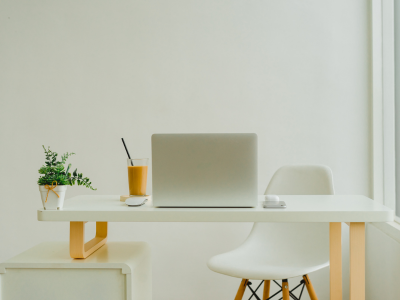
(118, 270)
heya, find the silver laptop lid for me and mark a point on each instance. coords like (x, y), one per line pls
(205, 170)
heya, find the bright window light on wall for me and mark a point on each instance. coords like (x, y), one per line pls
(397, 101)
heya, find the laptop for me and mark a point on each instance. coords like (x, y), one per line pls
(204, 170)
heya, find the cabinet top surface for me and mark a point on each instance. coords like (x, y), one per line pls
(300, 208)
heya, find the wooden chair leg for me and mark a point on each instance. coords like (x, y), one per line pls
(267, 285)
(285, 289)
(242, 288)
(310, 288)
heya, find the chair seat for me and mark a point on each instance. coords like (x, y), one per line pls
(278, 251)
(238, 264)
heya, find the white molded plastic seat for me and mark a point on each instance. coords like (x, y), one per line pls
(283, 250)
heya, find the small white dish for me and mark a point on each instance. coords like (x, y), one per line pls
(274, 204)
(136, 201)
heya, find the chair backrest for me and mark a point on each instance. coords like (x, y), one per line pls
(308, 242)
(301, 180)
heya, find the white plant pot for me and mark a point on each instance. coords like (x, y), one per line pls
(53, 202)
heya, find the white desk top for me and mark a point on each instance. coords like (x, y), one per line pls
(337, 208)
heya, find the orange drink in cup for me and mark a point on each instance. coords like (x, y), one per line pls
(137, 176)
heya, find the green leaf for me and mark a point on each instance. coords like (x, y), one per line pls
(54, 170)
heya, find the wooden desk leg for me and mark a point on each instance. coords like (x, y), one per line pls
(77, 246)
(357, 261)
(335, 260)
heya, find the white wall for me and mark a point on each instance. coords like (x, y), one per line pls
(79, 75)
(383, 265)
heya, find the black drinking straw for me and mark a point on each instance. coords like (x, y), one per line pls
(127, 152)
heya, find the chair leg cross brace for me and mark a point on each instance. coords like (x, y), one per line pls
(254, 292)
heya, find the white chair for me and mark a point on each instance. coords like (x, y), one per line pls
(278, 251)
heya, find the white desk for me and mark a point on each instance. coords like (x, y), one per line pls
(356, 210)
(299, 209)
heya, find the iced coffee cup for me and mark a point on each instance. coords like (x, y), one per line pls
(137, 176)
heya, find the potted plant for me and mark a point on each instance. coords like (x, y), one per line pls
(55, 178)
